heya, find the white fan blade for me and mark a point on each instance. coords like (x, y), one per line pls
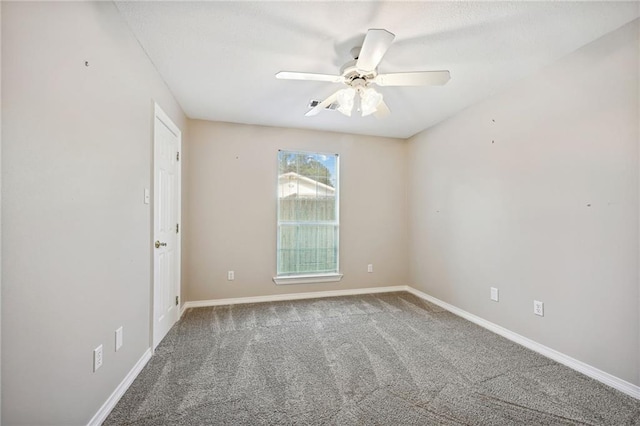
(419, 78)
(322, 105)
(292, 75)
(382, 111)
(373, 49)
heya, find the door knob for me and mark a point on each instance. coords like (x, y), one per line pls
(159, 244)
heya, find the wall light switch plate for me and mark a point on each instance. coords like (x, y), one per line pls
(494, 294)
(147, 196)
(118, 339)
(370, 268)
(231, 276)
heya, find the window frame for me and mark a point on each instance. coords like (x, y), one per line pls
(309, 278)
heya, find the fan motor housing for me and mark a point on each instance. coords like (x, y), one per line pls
(351, 73)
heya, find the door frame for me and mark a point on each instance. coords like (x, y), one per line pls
(159, 114)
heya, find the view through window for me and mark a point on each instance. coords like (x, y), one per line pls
(308, 216)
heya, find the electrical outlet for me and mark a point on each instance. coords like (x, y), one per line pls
(118, 339)
(538, 308)
(97, 358)
(494, 294)
(231, 276)
(370, 268)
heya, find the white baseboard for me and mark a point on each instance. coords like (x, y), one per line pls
(291, 296)
(586, 369)
(111, 402)
(183, 309)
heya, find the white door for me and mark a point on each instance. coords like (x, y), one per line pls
(166, 222)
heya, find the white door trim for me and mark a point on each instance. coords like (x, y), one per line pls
(164, 118)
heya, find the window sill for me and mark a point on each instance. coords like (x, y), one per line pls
(307, 279)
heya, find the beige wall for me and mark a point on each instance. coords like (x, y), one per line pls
(535, 191)
(231, 219)
(77, 150)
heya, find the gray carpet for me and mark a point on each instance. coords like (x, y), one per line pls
(388, 359)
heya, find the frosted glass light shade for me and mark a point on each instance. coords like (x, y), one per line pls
(370, 99)
(346, 101)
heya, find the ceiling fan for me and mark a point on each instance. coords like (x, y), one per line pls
(360, 73)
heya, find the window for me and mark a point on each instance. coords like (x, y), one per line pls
(308, 218)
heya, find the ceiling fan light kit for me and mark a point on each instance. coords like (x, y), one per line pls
(366, 98)
(362, 71)
(346, 100)
(369, 101)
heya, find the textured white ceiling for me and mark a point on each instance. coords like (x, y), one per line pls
(219, 58)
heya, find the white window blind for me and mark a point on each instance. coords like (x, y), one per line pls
(308, 214)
